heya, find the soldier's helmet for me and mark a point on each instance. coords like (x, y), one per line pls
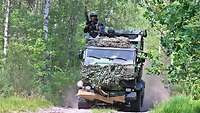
(93, 14)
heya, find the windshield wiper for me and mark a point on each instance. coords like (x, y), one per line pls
(121, 58)
(108, 58)
(94, 57)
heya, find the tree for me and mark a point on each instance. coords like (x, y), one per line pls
(179, 21)
(6, 26)
(47, 5)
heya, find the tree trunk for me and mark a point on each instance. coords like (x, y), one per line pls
(6, 25)
(47, 5)
(46, 17)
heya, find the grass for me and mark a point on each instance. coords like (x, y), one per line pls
(178, 104)
(102, 110)
(20, 104)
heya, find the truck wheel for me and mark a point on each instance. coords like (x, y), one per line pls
(142, 98)
(84, 104)
(136, 105)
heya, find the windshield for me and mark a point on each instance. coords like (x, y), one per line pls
(109, 56)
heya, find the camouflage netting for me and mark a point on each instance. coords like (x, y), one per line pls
(118, 42)
(108, 75)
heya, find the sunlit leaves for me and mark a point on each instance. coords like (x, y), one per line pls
(181, 40)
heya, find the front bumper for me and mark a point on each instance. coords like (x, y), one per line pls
(93, 96)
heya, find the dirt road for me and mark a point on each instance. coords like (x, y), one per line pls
(71, 110)
(155, 91)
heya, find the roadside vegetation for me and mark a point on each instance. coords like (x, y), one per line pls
(102, 110)
(21, 104)
(178, 104)
(178, 23)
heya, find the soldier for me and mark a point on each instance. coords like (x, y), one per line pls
(93, 26)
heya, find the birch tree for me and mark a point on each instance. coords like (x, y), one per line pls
(6, 25)
(46, 17)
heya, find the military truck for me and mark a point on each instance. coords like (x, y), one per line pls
(111, 71)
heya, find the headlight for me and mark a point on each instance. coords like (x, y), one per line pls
(88, 88)
(93, 86)
(80, 84)
(128, 89)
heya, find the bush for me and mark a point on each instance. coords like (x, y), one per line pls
(180, 39)
(17, 74)
(178, 104)
(22, 104)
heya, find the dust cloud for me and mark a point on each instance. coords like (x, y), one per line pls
(70, 98)
(155, 91)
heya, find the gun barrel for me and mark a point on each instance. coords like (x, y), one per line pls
(86, 15)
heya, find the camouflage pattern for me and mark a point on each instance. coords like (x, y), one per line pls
(118, 42)
(108, 75)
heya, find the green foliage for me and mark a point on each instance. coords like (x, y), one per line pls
(179, 104)
(19, 104)
(102, 110)
(127, 14)
(29, 69)
(156, 66)
(178, 21)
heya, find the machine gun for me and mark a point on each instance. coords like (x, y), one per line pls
(86, 12)
(86, 15)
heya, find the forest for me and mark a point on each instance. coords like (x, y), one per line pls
(40, 41)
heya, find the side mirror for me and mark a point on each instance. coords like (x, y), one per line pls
(80, 54)
(144, 33)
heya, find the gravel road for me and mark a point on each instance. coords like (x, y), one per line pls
(71, 110)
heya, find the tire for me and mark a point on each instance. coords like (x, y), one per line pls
(84, 104)
(142, 98)
(136, 105)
